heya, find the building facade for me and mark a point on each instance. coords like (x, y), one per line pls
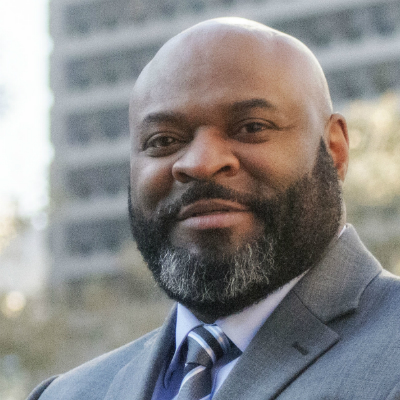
(100, 46)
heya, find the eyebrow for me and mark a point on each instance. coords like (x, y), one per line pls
(245, 105)
(159, 117)
(177, 117)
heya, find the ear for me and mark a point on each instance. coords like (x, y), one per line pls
(337, 138)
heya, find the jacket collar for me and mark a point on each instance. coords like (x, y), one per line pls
(335, 285)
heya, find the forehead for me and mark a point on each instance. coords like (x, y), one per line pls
(220, 68)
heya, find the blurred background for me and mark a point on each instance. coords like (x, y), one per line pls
(72, 284)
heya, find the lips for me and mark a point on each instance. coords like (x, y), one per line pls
(209, 207)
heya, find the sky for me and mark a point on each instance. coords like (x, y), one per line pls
(25, 99)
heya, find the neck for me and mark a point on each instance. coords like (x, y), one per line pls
(206, 318)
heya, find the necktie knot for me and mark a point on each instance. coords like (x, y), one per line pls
(206, 345)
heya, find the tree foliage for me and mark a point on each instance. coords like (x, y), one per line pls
(372, 186)
(373, 178)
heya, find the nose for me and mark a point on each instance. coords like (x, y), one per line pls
(208, 155)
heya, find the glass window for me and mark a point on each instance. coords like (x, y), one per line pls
(137, 11)
(77, 130)
(85, 238)
(347, 84)
(197, 5)
(385, 17)
(114, 178)
(109, 14)
(98, 125)
(80, 240)
(114, 122)
(79, 74)
(352, 86)
(104, 180)
(319, 30)
(168, 8)
(78, 19)
(352, 24)
(80, 183)
(108, 69)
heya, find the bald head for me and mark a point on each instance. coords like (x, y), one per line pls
(229, 43)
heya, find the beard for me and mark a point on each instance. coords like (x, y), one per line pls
(298, 224)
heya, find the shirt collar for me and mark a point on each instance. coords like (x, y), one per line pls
(243, 326)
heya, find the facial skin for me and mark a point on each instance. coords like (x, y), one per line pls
(237, 104)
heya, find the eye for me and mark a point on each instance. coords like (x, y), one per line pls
(252, 127)
(254, 131)
(161, 141)
(162, 144)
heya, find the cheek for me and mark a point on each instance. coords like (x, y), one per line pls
(277, 167)
(151, 182)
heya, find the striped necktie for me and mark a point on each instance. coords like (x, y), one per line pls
(206, 344)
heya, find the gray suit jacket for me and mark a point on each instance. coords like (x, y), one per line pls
(336, 335)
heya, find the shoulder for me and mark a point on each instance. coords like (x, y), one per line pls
(383, 295)
(95, 375)
(373, 328)
(37, 392)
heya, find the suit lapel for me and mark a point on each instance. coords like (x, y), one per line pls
(291, 339)
(297, 334)
(335, 285)
(136, 381)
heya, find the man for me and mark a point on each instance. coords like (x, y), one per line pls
(237, 162)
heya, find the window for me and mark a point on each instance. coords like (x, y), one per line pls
(136, 12)
(89, 18)
(196, 5)
(364, 81)
(114, 122)
(85, 238)
(104, 180)
(98, 125)
(77, 130)
(385, 17)
(80, 240)
(353, 24)
(108, 69)
(319, 30)
(79, 74)
(167, 8)
(78, 19)
(347, 84)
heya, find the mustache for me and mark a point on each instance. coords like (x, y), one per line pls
(205, 191)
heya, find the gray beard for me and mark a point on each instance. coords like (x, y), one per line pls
(249, 266)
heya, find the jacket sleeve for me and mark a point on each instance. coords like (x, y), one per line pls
(35, 395)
